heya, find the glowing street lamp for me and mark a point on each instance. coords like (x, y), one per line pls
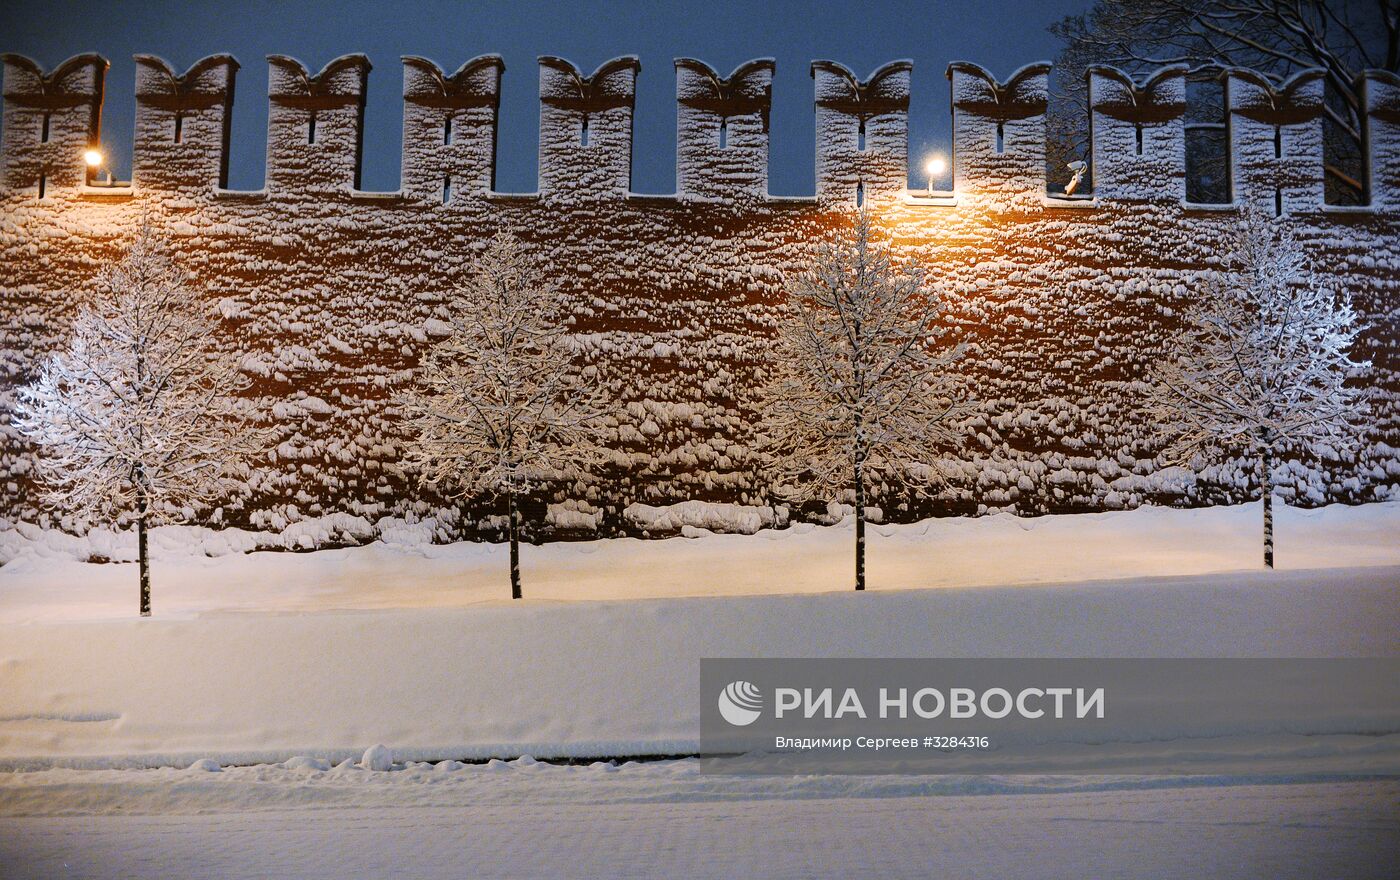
(95, 160)
(935, 167)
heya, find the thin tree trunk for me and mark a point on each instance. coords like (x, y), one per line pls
(860, 519)
(143, 557)
(514, 530)
(1266, 490)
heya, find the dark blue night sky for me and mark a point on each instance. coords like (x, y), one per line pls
(999, 35)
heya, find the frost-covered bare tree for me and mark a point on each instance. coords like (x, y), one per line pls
(860, 391)
(1275, 37)
(1262, 362)
(501, 405)
(138, 418)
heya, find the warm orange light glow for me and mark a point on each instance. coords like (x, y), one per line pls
(934, 166)
(93, 158)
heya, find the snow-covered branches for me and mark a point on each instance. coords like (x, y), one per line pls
(1342, 37)
(861, 389)
(1263, 357)
(859, 373)
(501, 405)
(1263, 360)
(138, 418)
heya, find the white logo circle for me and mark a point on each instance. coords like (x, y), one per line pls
(741, 703)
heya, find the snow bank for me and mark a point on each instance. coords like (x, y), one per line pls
(740, 519)
(303, 783)
(26, 540)
(377, 758)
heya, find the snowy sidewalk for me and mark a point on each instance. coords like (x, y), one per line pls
(665, 820)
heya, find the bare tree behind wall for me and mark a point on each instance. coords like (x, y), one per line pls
(860, 392)
(501, 405)
(1275, 37)
(1262, 363)
(138, 419)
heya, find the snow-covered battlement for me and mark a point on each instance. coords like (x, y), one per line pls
(586, 128)
(999, 133)
(722, 130)
(449, 127)
(862, 132)
(315, 126)
(329, 296)
(50, 120)
(1276, 139)
(183, 124)
(1137, 131)
(1382, 117)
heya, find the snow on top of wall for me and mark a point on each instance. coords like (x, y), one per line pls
(572, 99)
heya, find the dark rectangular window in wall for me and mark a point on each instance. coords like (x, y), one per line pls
(1207, 142)
(1342, 158)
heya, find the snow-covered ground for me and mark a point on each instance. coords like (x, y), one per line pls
(265, 657)
(199, 572)
(596, 678)
(666, 820)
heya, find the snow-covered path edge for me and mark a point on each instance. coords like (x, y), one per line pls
(506, 827)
